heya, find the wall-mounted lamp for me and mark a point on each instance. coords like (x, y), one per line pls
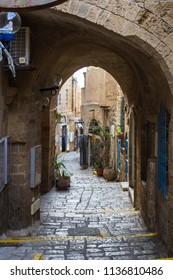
(57, 81)
(53, 90)
(9, 24)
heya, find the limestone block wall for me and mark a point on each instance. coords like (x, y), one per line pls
(23, 125)
(4, 207)
(4, 194)
(122, 173)
(164, 206)
(101, 90)
(69, 106)
(95, 85)
(155, 208)
(31, 4)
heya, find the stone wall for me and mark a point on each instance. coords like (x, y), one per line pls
(153, 205)
(101, 100)
(8, 5)
(21, 121)
(101, 91)
(4, 194)
(25, 131)
(4, 206)
(69, 106)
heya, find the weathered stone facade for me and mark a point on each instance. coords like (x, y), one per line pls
(28, 4)
(101, 93)
(69, 107)
(101, 101)
(133, 41)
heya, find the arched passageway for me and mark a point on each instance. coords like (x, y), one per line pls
(132, 43)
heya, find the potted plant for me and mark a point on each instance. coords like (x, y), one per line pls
(119, 133)
(98, 166)
(58, 118)
(62, 175)
(100, 147)
(109, 173)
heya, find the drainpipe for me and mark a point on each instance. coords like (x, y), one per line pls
(9, 58)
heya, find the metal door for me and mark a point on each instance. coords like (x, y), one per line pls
(163, 120)
(119, 154)
(127, 160)
(84, 150)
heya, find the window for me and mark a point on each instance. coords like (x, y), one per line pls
(59, 99)
(66, 97)
(147, 147)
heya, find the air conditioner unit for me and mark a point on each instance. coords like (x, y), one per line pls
(20, 47)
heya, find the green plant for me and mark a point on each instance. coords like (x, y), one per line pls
(118, 130)
(98, 164)
(100, 148)
(60, 169)
(109, 166)
(58, 118)
(102, 131)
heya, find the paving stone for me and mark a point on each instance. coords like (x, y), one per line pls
(83, 231)
(95, 254)
(53, 257)
(75, 257)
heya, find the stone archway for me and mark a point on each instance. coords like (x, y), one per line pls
(130, 41)
(143, 25)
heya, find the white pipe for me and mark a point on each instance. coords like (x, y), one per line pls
(9, 58)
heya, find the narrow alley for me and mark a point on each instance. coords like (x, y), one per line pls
(93, 220)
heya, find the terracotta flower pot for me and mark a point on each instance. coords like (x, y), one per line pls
(120, 136)
(109, 174)
(63, 183)
(99, 171)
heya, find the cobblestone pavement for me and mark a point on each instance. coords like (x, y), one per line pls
(94, 219)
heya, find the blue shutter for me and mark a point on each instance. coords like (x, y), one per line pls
(122, 114)
(163, 120)
(119, 154)
(127, 160)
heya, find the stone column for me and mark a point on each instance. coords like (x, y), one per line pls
(48, 145)
(24, 129)
(19, 190)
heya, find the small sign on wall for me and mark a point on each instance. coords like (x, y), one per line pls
(7, 159)
(35, 166)
(5, 162)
